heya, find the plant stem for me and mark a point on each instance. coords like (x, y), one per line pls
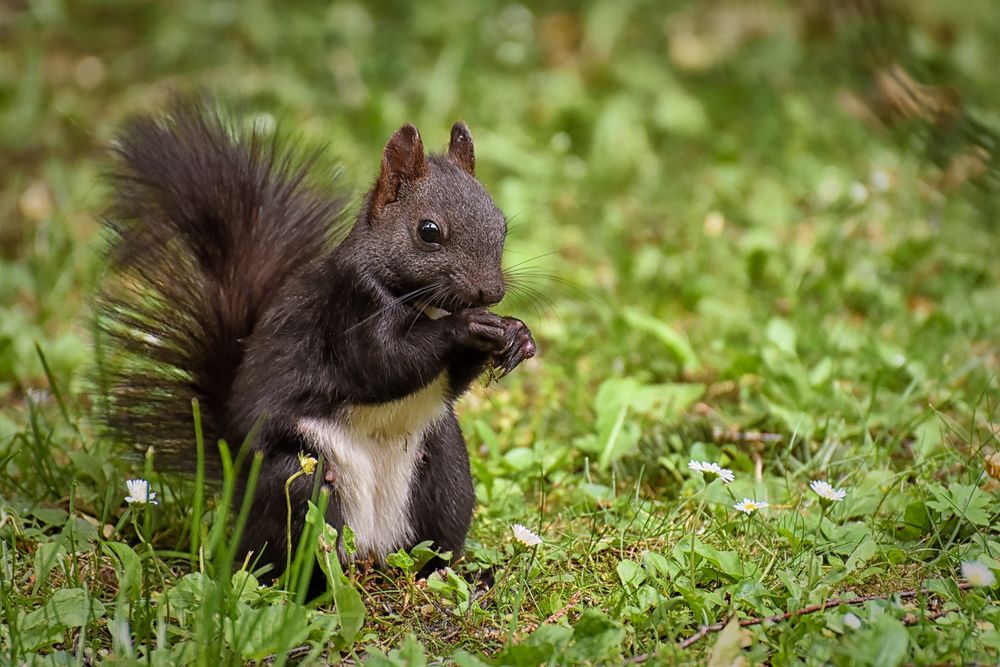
(288, 524)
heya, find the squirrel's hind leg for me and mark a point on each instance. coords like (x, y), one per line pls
(265, 537)
(442, 496)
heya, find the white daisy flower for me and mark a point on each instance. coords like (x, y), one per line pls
(525, 536)
(711, 471)
(139, 492)
(826, 492)
(880, 181)
(978, 574)
(748, 506)
(852, 621)
(858, 193)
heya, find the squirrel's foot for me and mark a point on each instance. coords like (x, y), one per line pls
(518, 346)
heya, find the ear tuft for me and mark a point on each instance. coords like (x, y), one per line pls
(460, 150)
(403, 160)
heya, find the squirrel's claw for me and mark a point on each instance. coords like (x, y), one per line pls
(518, 347)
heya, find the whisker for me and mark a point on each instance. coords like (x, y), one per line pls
(531, 259)
(413, 320)
(515, 226)
(437, 293)
(514, 252)
(528, 275)
(530, 271)
(392, 304)
(438, 298)
(534, 299)
(543, 299)
(552, 277)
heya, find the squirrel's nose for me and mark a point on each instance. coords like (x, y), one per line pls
(491, 295)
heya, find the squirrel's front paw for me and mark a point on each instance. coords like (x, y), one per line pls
(518, 346)
(480, 329)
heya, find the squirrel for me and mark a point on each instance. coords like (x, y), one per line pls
(224, 285)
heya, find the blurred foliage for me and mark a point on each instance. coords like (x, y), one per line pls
(762, 233)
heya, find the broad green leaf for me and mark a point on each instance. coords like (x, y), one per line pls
(488, 436)
(190, 591)
(128, 566)
(680, 112)
(451, 586)
(67, 608)
(519, 458)
(966, 501)
(350, 545)
(595, 636)
(423, 553)
(539, 648)
(258, 633)
(47, 556)
(620, 141)
(663, 567)
(598, 493)
(376, 658)
(890, 642)
(350, 609)
(618, 398)
(412, 652)
(349, 604)
(400, 559)
(245, 586)
(861, 554)
(619, 439)
(676, 342)
(630, 574)
(728, 648)
(781, 335)
(726, 562)
(603, 26)
(463, 658)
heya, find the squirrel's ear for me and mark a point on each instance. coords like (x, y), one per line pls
(460, 149)
(402, 160)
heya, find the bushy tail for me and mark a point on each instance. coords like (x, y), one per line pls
(207, 224)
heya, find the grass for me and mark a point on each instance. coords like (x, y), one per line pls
(745, 243)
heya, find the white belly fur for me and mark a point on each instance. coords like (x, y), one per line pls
(374, 451)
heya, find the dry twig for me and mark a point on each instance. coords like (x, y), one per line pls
(774, 618)
(705, 630)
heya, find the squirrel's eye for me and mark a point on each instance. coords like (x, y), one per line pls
(429, 231)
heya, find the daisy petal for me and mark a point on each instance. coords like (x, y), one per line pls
(749, 506)
(978, 574)
(825, 491)
(140, 493)
(525, 536)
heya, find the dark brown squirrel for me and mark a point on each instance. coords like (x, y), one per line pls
(224, 286)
